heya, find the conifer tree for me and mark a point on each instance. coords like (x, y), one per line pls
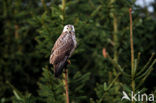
(30, 28)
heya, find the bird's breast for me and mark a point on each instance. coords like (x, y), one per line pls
(74, 40)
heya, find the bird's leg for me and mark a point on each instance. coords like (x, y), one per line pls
(68, 61)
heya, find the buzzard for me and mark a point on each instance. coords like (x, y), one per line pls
(63, 49)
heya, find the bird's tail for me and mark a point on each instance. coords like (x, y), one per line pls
(59, 67)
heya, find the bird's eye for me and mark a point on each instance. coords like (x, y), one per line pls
(67, 28)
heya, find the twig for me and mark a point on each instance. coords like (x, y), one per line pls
(16, 31)
(132, 53)
(146, 65)
(66, 85)
(110, 85)
(147, 73)
(63, 10)
(115, 38)
(68, 61)
(44, 5)
(116, 65)
(131, 38)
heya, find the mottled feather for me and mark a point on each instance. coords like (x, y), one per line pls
(61, 51)
(62, 48)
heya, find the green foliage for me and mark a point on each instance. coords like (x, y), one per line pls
(77, 86)
(29, 30)
(17, 46)
(51, 88)
(19, 97)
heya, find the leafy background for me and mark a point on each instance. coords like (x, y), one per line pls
(29, 29)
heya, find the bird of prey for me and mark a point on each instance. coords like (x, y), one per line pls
(63, 49)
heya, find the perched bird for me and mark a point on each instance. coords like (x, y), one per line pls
(63, 49)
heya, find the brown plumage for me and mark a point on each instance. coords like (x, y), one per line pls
(62, 50)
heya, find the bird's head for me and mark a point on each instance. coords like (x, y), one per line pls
(69, 28)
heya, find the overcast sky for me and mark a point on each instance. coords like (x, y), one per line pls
(142, 3)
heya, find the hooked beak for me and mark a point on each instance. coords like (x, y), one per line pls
(70, 29)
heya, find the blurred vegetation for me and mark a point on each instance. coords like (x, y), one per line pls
(29, 29)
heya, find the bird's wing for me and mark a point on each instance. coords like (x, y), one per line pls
(62, 48)
(59, 41)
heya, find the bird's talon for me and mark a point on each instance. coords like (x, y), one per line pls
(68, 61)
